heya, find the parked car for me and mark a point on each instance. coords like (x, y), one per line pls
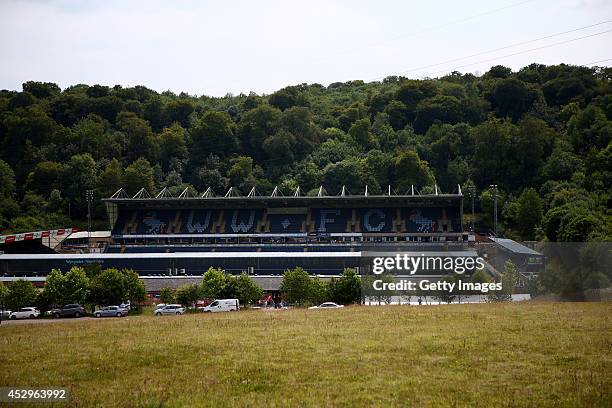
(25, 313)
(221, 305)
(71, 310)
(126, 305)
(111, 311)
(160, 305)
(170, 310)
(6, 313)
(327, 305)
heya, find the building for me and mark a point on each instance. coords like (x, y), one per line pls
(166, 236)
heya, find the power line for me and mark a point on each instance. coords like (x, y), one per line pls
(500, 48)
(454, 22)
(597, 62)
(521, 52)
(430, 29)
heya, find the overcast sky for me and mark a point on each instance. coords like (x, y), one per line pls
(216, 47)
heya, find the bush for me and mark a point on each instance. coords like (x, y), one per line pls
(20, 294)
(347, 288)
(167, 295)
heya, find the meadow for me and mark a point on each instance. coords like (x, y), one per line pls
(514, 355)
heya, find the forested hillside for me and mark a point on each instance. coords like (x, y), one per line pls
(542, 134)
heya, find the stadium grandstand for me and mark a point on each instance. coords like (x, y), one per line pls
(262, 235)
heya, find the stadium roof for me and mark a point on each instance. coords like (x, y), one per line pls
(89, 234)
(514, 246)
(232, 197)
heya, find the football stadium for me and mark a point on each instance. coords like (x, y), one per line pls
(262, 235)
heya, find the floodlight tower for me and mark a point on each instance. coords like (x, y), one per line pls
(89, 196)
(495, 192)
(472, 194)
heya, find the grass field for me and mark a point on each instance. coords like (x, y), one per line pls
(530, 354)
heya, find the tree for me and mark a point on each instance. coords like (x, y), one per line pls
(318, 292)
(398, 114)
(214, 133)
(493, 157)
(284, 98)
(80, 175)
(529, 214)
(245, 289)
(41, 89)
(45, 177)
(21, 293)
(561, 164)
(7, 180)
(172, 145)
(410, 170)
(347, 288)
(296, 286)
(72, 287)
(76, 286)
(108, 288)
(167, 295)
(140, 139)
(446, 109)
(280, 146)
(54, 288)
(138, 175)
(512, 98)
(255, 127)
(241, 172)
(3, 294)
(94, 136)
(360, 132)
(213, 283)
(25, 128)
(589, 129)
(533, 142)
(111, 179)
(8, 206)
(480, 277)
(499, 71)
(508, 280)
(410, 93)
(188, 294)
(178, 111)
(135, 290)
(351, 173)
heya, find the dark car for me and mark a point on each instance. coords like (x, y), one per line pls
(72, 310)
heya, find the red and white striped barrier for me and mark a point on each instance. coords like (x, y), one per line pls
(28, 236)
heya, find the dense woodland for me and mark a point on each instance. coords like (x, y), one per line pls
(542, 134)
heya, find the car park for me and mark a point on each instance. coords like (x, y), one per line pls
(111, 311)
(221, 305)
(170, 310)
(70, 310)
(327, 305)
(25, 313)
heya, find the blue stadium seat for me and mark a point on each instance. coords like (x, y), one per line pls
(286, 223)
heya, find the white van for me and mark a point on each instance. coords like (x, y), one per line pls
(222, 305)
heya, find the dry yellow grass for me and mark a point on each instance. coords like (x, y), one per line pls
(531, 354)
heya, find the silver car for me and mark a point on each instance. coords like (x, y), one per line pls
(327, 305)
(111, 311)
(170, 310)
